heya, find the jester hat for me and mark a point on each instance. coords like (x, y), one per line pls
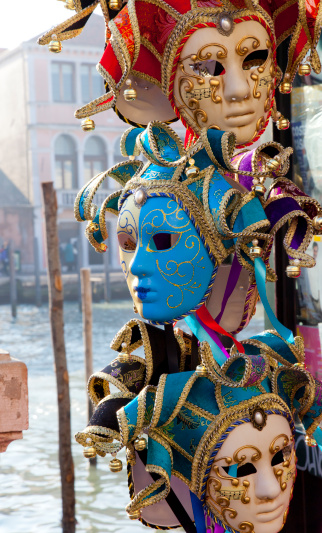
(186, 417)
(228, 216)
(144, 40)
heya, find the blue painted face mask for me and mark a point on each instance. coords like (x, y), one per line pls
(166, 265)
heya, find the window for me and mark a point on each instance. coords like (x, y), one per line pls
(63, 81)
(94, 159)
(65, 163)
(91, 82)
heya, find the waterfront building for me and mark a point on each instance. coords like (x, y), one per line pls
(41, 140)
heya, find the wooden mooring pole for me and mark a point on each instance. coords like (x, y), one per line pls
(86, 288)
(55, 299)
(37, 274)
(13, 283)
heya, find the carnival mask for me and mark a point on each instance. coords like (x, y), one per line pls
(250, 483)
(166, 265)
(227, 80)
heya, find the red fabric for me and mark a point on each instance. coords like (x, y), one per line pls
(110, 63)
(105, 101)
(147, 64)
(122, 21)
(182, 6)
(155, 24)
(285, 20)
(207, 319)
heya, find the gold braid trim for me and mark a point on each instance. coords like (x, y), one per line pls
(152, 49)
(141, 499)
(297, 348)
(59, 30)
(125, 335)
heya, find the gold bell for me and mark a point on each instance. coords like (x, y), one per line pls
(124, 357)
(134, 515)
(192, 171)
(69, 4)
(201, 371)
(317, 223)
(309, 441)
(283, 123)
(115, 465)
(300, 365)
(55, 46)
(304, 69)
(286, 87)
(89, 452)
(273, 165)
(293, 271)
(130, 93)
(259, 189)
(255, 250)
(115, 4)
(140, 444)
(88, 124)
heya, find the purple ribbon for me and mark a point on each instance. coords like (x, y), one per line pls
(231, 284)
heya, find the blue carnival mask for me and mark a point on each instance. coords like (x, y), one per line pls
(166, 265)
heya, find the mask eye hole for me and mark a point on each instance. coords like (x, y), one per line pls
(243, 470)
(255, 59)
(208, 68)
(163, 241)
(282, 455)
(126, 242)
(278, 458)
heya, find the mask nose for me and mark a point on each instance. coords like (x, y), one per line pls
(236, 86)
(267, 486)
(142, 264)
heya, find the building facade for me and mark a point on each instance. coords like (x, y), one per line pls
(41, 140)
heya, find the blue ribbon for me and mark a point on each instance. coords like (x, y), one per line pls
(260, 275)
(198, 513)
(202, 335)
(317, 435)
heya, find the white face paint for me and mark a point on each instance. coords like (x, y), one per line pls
(252, 476)
(226, 81)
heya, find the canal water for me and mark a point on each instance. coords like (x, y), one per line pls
(29, 470)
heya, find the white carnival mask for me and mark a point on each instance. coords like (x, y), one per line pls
(251, 480)
(227, 80)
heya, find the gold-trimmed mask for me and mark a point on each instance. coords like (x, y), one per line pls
(225, 81)
(250, 485)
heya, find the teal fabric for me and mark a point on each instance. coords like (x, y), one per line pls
(276, 343)
(172, 391)
(158, 455)
(250, 213)
(181, 463)
(131, 140)
(155, 172)
(97, 234)
(202, 335)
(260, 275)
(202, 394)
(215, 141)
(131, 412)
(113, 203)
(231, 396)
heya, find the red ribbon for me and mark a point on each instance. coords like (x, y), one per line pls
(207, 319)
